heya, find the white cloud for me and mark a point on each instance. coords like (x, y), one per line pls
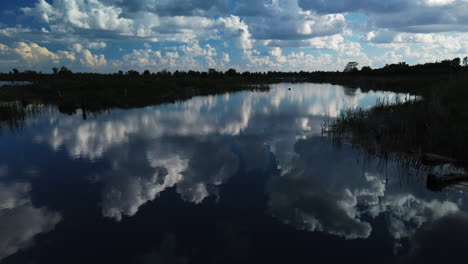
(78, 14)
(285, 20)
(96, 45)
(93, 61)
(33, 53)
(295, 24)
(438, 2)
(226, 58)
(239, 30)
(14, 31)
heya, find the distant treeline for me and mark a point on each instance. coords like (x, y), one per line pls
(350, 70)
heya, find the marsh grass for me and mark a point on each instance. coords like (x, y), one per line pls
(407, 129)
(14, 114)
(105, 92)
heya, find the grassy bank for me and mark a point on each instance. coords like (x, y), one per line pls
(101, 92)
(437, 123)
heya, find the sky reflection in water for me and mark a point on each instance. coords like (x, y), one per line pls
(211, 178)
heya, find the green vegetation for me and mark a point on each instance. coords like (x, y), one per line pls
(436, 123)
(95, 92)
(13, 114)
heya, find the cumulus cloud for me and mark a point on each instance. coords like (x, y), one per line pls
(191, 56)
(239, 30)
(295, 24)
(32, 53)
(114, 20)
(301, 61)
(90, 60)
(21, 54)
(285, 20)
(97, 45)
(69, 14)
(20, 220)
(419, 47)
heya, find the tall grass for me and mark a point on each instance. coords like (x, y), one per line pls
(437, 123)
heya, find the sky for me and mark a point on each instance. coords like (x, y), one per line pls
(247, 35)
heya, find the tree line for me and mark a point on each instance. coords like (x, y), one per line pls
(444, 66)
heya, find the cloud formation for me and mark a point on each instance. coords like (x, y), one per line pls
(323, 35)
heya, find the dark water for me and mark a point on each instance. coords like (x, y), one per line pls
(3, 83)
(237, 178)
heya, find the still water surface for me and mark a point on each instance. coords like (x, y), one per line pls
(237, 178)
(19, 83)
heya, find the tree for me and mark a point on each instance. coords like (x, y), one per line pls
(133, 73)
(351, 66)
(55, 70)
(64, 71)
(366, 69)
(15, 71)
(146, 73)
(456, 62)
(212, 72)
(231, 72)
(465, 61)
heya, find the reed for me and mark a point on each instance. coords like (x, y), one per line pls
(435, 123)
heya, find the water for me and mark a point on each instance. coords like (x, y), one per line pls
(3, 83)
(236, 178)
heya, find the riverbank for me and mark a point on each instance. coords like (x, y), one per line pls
(437, 124)
(100, 92)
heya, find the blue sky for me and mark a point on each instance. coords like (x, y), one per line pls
(254, 35)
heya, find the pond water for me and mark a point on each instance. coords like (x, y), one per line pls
(237, 178)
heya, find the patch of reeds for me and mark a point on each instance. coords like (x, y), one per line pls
(14, 114)
(407, 128)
